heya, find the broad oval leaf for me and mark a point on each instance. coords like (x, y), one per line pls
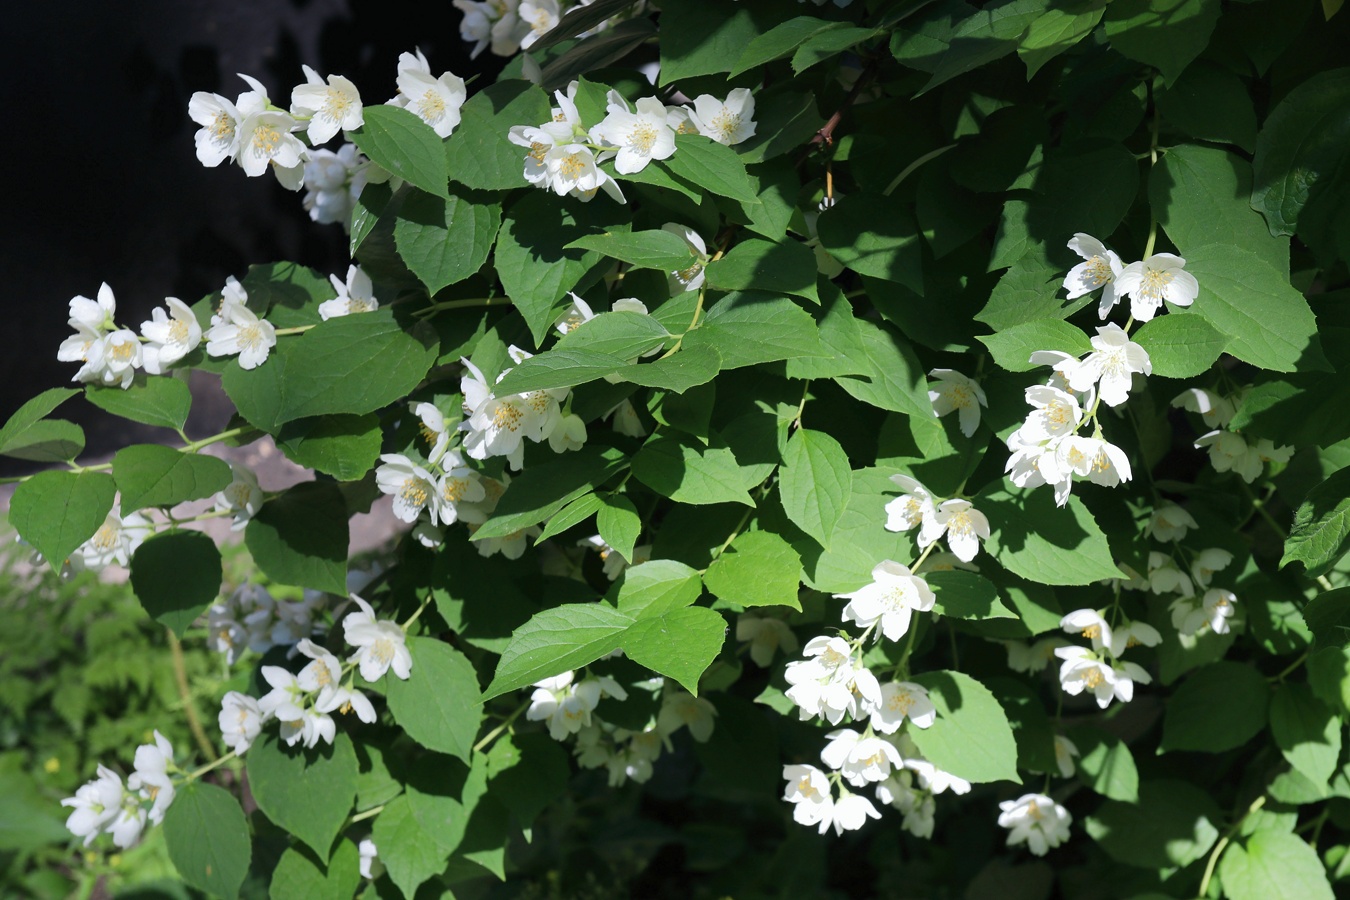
(438, 704)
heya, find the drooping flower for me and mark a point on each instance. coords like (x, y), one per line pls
(1037, 821)
(1165, 576)
(240, 720)
(1065, 751)
(808, 790)
(330, 108)
(1169, 523)
(412, 487)
(1214, 609)
(1034, 658)
(116, 358)
(459, 487)
(114, 542)
(369, 859)
(681, 709)
(957, 392)
(727, 122)
(914, 507)
(1090, 624)
(691, 278)
(1151, 281)
(903, 701)
(151, 776)
(1207, 562)
(1216, 411)
(434, 430)
(830, 683)
(169, 336)
(914, 803)
(242, 498)
(766, 636)
(237, 329)
(566, 707)
(97, 803)
(860, 759)
(1133, 634)
(1099, 269)
(355, 295)
(891, 599)
(1084, 669)
(380, 644)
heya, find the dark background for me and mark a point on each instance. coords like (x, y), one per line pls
(103, 183)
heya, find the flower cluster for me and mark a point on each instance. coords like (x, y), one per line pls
(1229, 451)
(1147, 282)
(113, 543)
(1198, 604)
(250, 618)
(568, 707)
(105, 806)
(1099, 668)
(499, 426)
(960, 523)
(506, 26)
(565, 154)
(111, 355)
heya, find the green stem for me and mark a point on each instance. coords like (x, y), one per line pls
(1223, 845)
(413, 618)
(909, 169)
(368, 814)
(462, 304)
(506, 723)
(194, 446)
(1285, 673)
(298, 329)
(199, 772)
(185, 694)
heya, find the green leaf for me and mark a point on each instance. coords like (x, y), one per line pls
(308, 792)
(565, 637)
(478, 153)
(892, 377)
(574, 513)
(1166, 34)
(1273, 865)
(1306, 730)
(1267, 321)
(56, 512)
(712, 166)
(1030, 725)
(1053, 32)
(787, 267)
(1211, 103)
(699, 37)
(1218, 707)
(150, 475)
(1301, 143)
(1200, 196)
(300, 537)
(1180, 346)
(560, 367)
(176, 576)
(12, 434)
(50, 440)
(438, 704)
(1328, 617)
(604, 48)
(676, 467)
(580, 20)
(542, 490)
(627, 334)
(619, 524)
(984, 36)
(207, 838)
(827, 44)
(872, 236)
(1321, 526)
(655, 249)
(657, 587)
(690, 367)
(445, 240)
(1173, 824)
(679, 644)
(971, 738)
(1041, 542)
(405, 145)
(1105, 764)
(1025, 293)
(758, 569)
(299, 876)
(965, 595)
(367, 209)
(532, 260)
(1012, 347)
(779, 41)
(348, 365)
(158, 400)
(749, 327)
(860, 539)
(815, 483)
(344, 447)
(409, 852)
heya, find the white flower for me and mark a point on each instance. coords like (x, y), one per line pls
(639, 137)
(1134, 634)
(914, 507)
(1214, 610)
(476, 26)
(691, 278)
(957, 392)
(356, 295)
(266, 141)
(728, 122)
(435, 100)
(242, 498)
(1036, 820)
(626, 420)
(381, 644)
(1065, 751)
(1169, 522)
(830, 683)
(1098, 270)
(917, 805)
(1216, 411)
(237, 329)
(963, 524)
(330, 108)
(322, 675)
(369, 858)
(572, 169)
(1088, 623)
(679, 708)
(808, 790)
(565, 706)
(1111, 365)
(891, 599)
(1083, 669)
(333, 181)
(151, 777)
(1164, 576)
(540, 15)
(1062, 364)
(241, 720)
(412, 487)
(96, 804)
(860, 759)
(126, 828)
(849, 813)
(1207, 562)
(114, 542)
(170, 336)
(218, 138)
(1229, 451)
(116, 358)
(579, 311)
(766, 637)
(1056, 413)
(1158, 278)
(901, 701)
(568, 434)
(434, 431)
(309, 729)
(1101, 462)
(931, 778)
(458, 487)
(1034, 658)
(497, 426)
